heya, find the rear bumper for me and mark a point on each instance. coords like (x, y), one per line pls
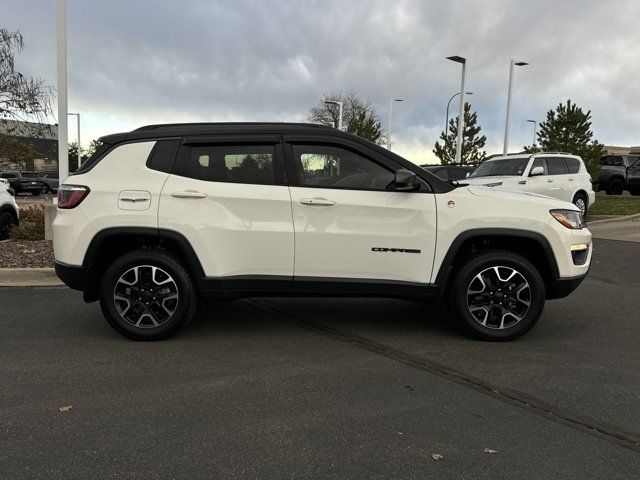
(73, 276)
(562, 287)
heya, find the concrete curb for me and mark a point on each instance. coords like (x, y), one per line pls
(623, 218)
(29, 277)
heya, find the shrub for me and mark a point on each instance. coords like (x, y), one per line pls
(31, 225)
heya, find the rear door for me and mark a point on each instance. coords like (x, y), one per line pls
(350, 226)
(229, 198)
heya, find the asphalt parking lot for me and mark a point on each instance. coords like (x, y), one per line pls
(316, 388)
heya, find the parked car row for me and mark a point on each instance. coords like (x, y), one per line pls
(619, 173)
(558, 175)
(35, 185)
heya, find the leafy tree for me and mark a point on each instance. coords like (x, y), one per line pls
(22, 99)
(91, 149)
(73, 156)
(358, 116)
(472, 143)
(568, 129)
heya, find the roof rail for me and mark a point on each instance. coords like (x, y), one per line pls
(211, 124)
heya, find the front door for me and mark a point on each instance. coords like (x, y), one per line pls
(351, 225)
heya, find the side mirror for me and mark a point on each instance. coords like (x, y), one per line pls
(535, 171)
(406, 181)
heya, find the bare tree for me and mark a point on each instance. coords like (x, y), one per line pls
(22, 99)
(358, 116)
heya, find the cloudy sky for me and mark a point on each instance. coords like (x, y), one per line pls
(135, 62)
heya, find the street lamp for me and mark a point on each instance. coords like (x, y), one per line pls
(446, 125)
(334, 102)
(61, 37)
(463, 61)
(506, 124)
(391, 100)
(535, 131)
(79, 149)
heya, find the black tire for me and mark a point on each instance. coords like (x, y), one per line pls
(138, 264)
(580, 200)
(483, 263)
(7, 221)
(45, 189)
(615, 187)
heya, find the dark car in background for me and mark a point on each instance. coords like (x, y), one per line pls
(50, 182)
(450, 172)
(619, 173)
(23, 184)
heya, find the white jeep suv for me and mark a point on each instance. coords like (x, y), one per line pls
(167, 215)
(559, 175)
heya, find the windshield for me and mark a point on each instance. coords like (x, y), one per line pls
(496, 168)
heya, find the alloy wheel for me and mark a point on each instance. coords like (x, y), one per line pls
(580, 203)
(498, 297)
(146, 296)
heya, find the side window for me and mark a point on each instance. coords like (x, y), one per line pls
(457, 173)
(334, 167)
(573, 165)
(540, 162)
(616, 161)
(242, 164)
(555, 166)
(163, 155)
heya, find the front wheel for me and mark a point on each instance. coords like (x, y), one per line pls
(497, 295)
(580, 201)
(147, 295)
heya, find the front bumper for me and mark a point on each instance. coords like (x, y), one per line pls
(562, 287)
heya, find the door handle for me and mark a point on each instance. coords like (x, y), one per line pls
(549, 180)
(189, 194)
(323, 202)
(571, 179)
(522, 182)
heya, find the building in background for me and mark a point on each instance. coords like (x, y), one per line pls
(42, 136)
(613, 150)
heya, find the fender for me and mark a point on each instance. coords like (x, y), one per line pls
(447, 263)
(158, 234)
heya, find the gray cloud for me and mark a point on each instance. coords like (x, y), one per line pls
(134, 62)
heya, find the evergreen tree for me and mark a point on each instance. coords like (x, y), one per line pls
(568, 129)
(472, 142)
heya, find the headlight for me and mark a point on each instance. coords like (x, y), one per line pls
(569, 218)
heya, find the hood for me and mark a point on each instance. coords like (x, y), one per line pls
(491, 192)
(485, 180)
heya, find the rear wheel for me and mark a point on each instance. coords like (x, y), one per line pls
(147, 295)
(616, 187)
(7, 221)
(497, 295)
(580, 201)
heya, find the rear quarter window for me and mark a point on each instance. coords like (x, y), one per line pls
(163, 155)
(573, 165)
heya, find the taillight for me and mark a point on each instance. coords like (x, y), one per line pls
(70, 196)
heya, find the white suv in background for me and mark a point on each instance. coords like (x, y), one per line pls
(9, 211)
(167, 215)
(558, 175)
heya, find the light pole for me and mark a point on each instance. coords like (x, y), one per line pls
(61, 37)
(463, 61)
(506, 123)
(334, 102)
(79, 147)
(446, 125)
(391, 100)
(535, 131)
